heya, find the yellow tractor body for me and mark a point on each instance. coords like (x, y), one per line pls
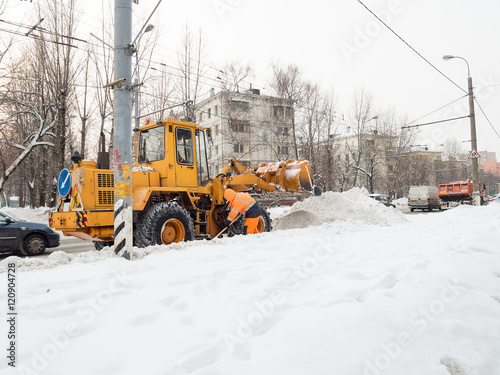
(174, 199)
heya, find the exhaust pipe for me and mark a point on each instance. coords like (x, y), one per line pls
(102, 155)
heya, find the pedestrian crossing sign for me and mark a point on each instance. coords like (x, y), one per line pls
(76, 201)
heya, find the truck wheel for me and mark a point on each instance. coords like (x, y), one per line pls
(34, 245)
(99, 245)
(164, 223)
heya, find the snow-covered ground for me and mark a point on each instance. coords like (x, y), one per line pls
(366, 290)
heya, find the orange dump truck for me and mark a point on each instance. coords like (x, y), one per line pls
(457, 192)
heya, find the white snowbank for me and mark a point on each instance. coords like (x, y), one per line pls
(401, 201)
(37, 215)
(354, 206)
(417, 297)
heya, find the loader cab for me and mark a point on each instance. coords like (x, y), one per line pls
(177, 150)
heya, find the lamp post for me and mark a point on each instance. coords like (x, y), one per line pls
(475, 169)
(148, 28)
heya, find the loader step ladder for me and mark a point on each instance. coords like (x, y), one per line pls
(201, 224)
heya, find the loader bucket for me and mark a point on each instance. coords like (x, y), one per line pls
(293, 175)
(297, 176)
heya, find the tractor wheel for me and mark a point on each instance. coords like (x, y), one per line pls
(265, 222)
(164, 223)
(99, 245)
(236, 228)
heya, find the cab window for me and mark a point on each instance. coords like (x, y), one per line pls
(151, 146)
(201, 158)
(184, 139)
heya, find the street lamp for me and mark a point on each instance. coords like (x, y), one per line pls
(148, 28)
(475, 169)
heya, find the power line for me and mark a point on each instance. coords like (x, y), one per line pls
(413, 49)
(487, 119)
(434, 122)
(440, 108)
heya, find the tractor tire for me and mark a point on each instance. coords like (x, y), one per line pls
(237, 228)
(163, 224)
(266, 221)
(99, 245)
(34, 244)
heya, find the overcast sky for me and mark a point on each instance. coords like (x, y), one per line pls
(340, 45)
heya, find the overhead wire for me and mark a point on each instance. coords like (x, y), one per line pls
(487, 119)
(413, 49)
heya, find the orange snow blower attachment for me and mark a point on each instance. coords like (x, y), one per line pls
(293, 176)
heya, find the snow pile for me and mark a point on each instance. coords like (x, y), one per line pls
(419, 297)
(401, 201)
(36, 215)
(354, 206)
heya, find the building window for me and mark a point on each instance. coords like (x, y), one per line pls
(238, 147)
(239, 126)
(278, 110)
(282, 150)
(216, 129)
(390, 168)
(216, 110)
(289, 111)
(239, 106)
(200, 117)
(216, 150)
(209, 112)
(283, 130)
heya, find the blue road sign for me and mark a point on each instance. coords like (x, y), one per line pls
(64, 182)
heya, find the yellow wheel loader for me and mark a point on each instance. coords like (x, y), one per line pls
(174, 198)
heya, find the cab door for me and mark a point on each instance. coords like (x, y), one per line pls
(185, 166)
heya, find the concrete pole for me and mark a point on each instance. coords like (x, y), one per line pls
(476, 196)
(123, 130)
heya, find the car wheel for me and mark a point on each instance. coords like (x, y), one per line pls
(34, 244)
(412, 209)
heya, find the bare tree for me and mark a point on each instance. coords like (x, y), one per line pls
(191, 54)
(360, 117)
(37, 121)
(234, 74)
(288, 83)
(56, 48)
(82, 103)
(312, 116)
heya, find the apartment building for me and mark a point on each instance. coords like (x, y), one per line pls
(250, 127)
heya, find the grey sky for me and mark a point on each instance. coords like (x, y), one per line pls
(340, 45)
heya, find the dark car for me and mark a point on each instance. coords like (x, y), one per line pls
(384, 199)
(24, 236)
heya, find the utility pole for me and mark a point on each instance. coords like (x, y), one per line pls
(122, 128)
(476, 196)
